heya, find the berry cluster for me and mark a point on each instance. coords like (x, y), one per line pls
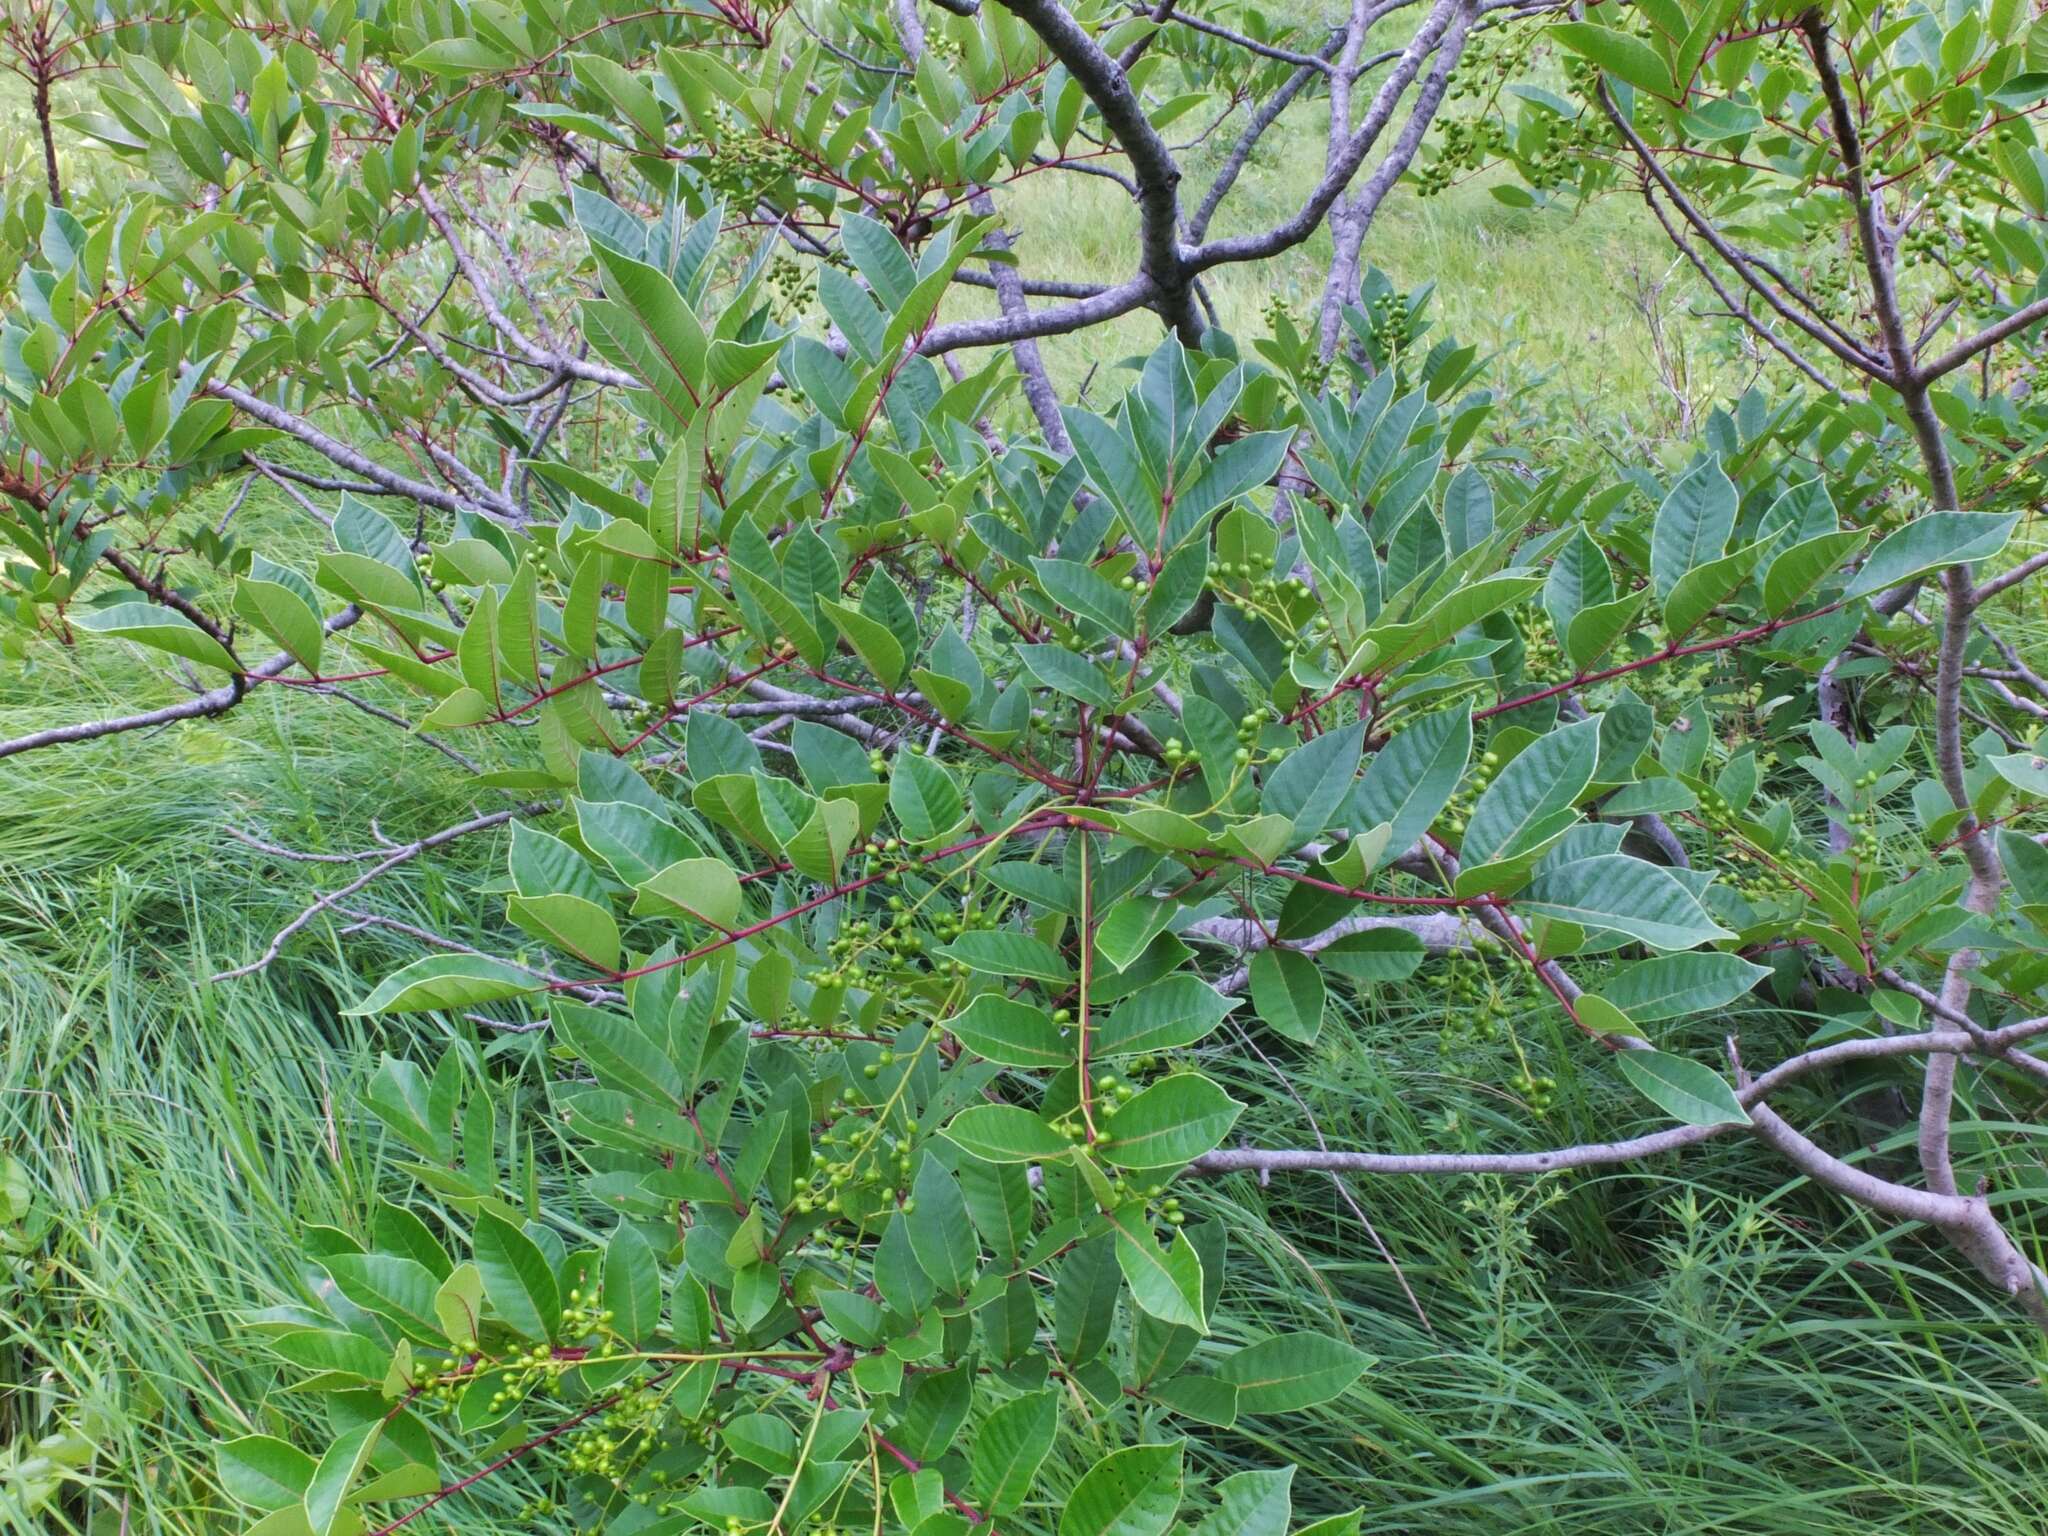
(1544, 661)
(1458, 809)
(742, 167)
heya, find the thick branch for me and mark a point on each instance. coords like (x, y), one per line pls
(1152, 163)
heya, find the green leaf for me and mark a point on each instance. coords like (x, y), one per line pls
(632, 1286)
(263, 1471)
(1172, 1122)
(447, 981)
(1174, 1011)
(941, 1236)
(925, 797)
(283, 613)
(1598, 627)
(517, 1278)
(1057, 668)
(1700, 590)
(1377, 954)
(326, 1494)
(1005, 952)
(1543, 779)
(581, 927)
(459, 56)
(1004, 1133)
(1579, 579)
(1930, 542)
(541, 864)
(328, 1350)
(1201, 1398)
(160, 628)
(1131, 1492)
(706, 889)
(1625, 895)
(1255, 1503)
(459, 1304)
(1168, 1284)
(399, 1290)
(1803, 567)
(1288, 991)
(1694, 522)
(871, 641)
(1624, 56)
(2026, 865)
(821, 844)
(675, 510)
(1669, 986)
(1313, 780)
(1292, 1371)
(880, 258)
(1083, 590)
(1411, 779)
(1688, 1091)
(1010, 1445)
(1084, 1297)
(1011, 1034)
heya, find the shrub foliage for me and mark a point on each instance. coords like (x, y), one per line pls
(917, 781)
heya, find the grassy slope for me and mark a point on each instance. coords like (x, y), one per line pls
(1618, 1355)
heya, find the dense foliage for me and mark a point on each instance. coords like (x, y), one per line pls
(926, 791)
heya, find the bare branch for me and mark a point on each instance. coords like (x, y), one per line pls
(339, 453)
(1849, 352)
(1038, 390)
(403, 854)
(215, 701)
(2024, 318)
(1929, 1207)
(1152, 163)
(1337, 175)
(1269, 112)
(1440, 933)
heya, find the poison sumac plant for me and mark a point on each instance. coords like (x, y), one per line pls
(915, 797)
